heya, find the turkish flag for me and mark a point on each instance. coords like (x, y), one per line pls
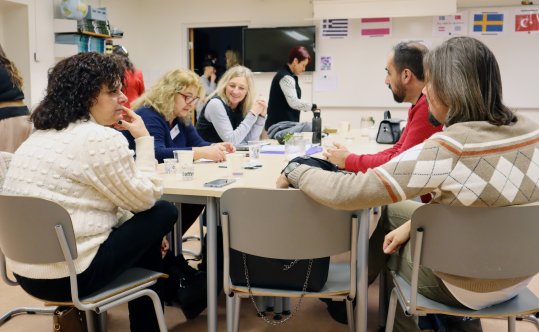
(527, 22)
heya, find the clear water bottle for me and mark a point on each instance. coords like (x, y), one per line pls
(317, 127)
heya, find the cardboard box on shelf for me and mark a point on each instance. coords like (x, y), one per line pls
(97, 13)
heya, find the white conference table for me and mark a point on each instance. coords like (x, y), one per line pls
(194, 192)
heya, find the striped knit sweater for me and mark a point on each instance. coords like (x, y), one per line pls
(469, 164)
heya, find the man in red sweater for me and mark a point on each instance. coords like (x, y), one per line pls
(405, 80)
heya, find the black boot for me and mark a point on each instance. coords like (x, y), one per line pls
(337, 310)
(202, 266)
(185, 287)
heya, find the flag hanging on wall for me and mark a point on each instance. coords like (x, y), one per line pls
(376, 27)
(450, 25)
(335, 28)
(527, 21)
(488, 22)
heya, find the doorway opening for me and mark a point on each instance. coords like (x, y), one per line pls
(214, 41)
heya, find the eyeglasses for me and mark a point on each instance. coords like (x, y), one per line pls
(188, 99)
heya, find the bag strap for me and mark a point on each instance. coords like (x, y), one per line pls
(387, 114)
(285, 268)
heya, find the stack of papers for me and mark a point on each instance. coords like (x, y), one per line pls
(280, 149)
(245, 147)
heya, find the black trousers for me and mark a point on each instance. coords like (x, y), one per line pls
(136, 243)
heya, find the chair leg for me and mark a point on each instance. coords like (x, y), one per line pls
(278, 310)
(157, 307)
(102, 321)
(511, 324)
(91, 318)
(26, 310)
(261, 304)
(96, 321)
(530, 318)
(391, 311)
(230, 312)
(350, 315)
(270, 303)
(237, 306)
(382, 300)
(286, 306)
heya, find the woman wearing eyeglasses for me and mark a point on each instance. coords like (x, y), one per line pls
(232, 114)
(166, 109)
(75, 159)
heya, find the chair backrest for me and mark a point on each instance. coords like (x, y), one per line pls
(284, 224)
(27, 230)
(487, 243)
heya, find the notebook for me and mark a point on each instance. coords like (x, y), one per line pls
(245, 146)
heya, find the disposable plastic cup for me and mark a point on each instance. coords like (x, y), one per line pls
(235, 164)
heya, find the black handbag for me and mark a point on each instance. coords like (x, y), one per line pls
(389, 130)
(301, 274)
(279, 273)
(316, 162)
(69, 319)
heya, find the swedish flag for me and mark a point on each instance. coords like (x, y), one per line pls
(488, 22)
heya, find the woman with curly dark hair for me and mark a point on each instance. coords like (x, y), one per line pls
(76, 160)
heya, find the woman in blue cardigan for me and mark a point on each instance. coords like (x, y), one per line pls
(166, 109)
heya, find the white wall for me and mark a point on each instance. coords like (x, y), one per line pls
(27, 37)
(156, 35)
(15, 41)
(155, 32)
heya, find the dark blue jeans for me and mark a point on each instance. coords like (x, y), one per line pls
(136, 243)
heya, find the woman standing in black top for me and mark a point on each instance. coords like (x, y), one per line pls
(285, 94)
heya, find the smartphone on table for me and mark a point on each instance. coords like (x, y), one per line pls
(218, 183)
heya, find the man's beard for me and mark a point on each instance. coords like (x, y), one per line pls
(398, 95)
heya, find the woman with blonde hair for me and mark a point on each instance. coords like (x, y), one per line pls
(232, 114)
(232, 58)
(167, 109)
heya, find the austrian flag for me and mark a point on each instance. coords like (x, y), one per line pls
(376, 27)
(527, 22)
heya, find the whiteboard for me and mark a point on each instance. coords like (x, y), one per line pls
(358, 64)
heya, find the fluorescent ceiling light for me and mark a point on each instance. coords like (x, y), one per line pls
(296, 35)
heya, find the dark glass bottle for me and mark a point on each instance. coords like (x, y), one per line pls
(317, 127)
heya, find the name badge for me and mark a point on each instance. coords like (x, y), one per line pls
(174, 131)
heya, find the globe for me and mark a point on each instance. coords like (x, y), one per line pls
(73, 9)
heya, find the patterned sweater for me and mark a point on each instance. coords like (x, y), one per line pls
(90, 171)
(469, 164)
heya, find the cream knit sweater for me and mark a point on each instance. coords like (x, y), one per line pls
(89, 170)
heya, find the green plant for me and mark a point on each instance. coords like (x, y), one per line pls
(286, 137)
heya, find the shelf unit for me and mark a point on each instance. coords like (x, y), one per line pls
(68, 39)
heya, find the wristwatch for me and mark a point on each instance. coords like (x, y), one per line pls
(290, 167)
